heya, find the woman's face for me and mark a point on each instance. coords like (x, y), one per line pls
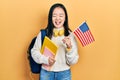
(58, 17)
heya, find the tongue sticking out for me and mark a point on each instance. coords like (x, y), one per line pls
(57, 22)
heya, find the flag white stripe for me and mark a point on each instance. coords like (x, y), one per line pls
(75, 32)
(79, 36)
(82, 37)
(88, 37)
(91, 37)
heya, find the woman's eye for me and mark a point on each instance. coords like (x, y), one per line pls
(61, 16)
(54, 16)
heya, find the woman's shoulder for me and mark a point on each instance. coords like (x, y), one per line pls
(71, 34)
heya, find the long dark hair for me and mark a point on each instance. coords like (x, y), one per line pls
(50, 25)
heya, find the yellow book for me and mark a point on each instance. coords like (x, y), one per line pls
(50, 45)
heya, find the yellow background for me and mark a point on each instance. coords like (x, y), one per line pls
(21, 20)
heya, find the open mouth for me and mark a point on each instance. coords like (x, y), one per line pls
(57, 22)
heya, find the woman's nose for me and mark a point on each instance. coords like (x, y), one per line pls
(57, 17)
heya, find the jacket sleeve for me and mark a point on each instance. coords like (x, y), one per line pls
(72, 55)
(35, 52)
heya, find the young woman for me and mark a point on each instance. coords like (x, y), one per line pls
(67, 54)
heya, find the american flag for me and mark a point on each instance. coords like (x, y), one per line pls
(84, 34)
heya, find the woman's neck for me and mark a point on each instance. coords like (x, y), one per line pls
(59, 28)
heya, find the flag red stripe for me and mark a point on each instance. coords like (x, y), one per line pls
(78, 35)
(88, 36)
(91, 36)
(83, 37)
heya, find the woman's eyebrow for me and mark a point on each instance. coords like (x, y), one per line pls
(59, 14)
